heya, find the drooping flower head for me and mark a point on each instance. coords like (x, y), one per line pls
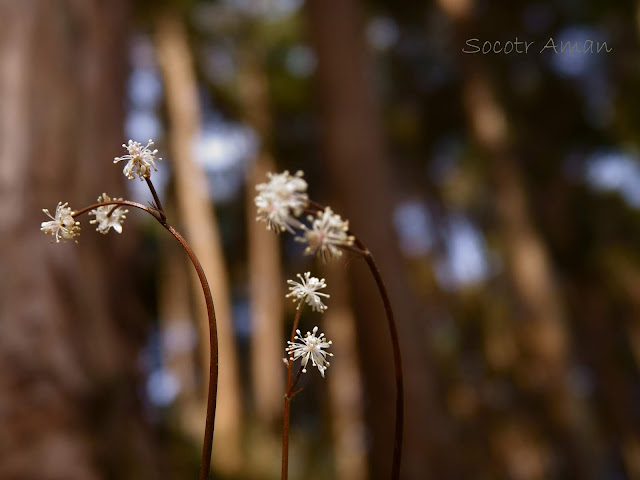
(280, 200)
(327, 234)
(108, 216)
(140, 160)
(62, 226)
(311, 346)
(307, 291)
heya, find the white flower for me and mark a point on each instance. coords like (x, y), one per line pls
(310, 347)
(140, 160)
(63, 226)
(327, 234)
(280, 200)
(108, 216)
(306, 290)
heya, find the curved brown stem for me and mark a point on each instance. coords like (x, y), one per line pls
(397, 359)
(207, 445)
(361, 249)
(158, 214)
(127, 203)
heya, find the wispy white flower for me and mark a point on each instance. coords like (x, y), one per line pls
(327, 234)
(307, 291)
(311, 346)
(108, 216)
(62, 226)
(140, 160)
(280, 200)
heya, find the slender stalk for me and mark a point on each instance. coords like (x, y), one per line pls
(362, 250)
(156, 198)
(287, 403)
(205, 464)
(397, 360)
(127, 203)
(158, 214)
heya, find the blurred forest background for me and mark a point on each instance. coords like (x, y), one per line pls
(500, 194)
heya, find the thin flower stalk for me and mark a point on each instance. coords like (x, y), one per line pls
(110, 214)
(360, 249)
(287, 403)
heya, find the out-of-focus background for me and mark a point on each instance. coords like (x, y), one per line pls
(499, 192)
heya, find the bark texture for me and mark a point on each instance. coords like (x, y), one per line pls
(199, 220)
(69, 317)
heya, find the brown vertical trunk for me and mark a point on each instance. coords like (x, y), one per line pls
(267, 347)
(360, 171)
(67, 354)
(345, 381)
(543, 332)
(198, 218)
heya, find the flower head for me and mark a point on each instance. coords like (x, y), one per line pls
(280, 200)
(311, 346)
(140, 160)
(306, 290)
(108, 216)
(327, 234)
(62, 226)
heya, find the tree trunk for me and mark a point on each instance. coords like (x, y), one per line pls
(199, 220)
(267, 287)
(359, 169)
(68, 347)
(344, 383)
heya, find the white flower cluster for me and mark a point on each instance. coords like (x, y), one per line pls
(327, 234)
(311, 346)
(140, 160)
(108, 216)
(63, 225)
(281, 200)
(307, 291)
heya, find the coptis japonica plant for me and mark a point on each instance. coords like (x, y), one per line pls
(110, 213)
(281, 202)
(310, 347)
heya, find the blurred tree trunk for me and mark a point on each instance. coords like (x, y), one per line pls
(198, 218)
(360, 171)
(345, 382)
(69, 314)
(543, 334)
(265, 274)
(544, 366)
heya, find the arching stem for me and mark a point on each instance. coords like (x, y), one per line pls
(361, 250)
(158, 214)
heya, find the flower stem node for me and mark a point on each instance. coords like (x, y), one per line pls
(63, 225)
(281, 200)
(307, 291)
(311, 346)
(108, 216)
(140, 160)
(328, 233)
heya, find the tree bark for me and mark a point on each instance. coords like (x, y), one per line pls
(345, 381)
(359, 168)
(265, 271)
(69, 341)
(199, 220)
